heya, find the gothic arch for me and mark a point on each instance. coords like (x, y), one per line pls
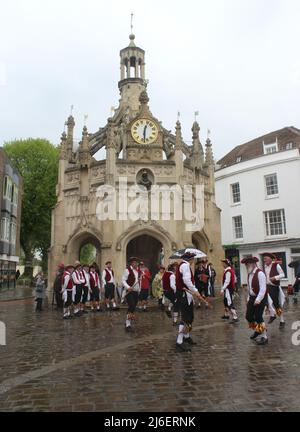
(201, 241)
(152, 229)
(81, 236)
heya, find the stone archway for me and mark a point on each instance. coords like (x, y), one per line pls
(148, 249)
(77, 243)
(201, 241)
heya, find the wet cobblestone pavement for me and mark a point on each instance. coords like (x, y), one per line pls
(91, 364)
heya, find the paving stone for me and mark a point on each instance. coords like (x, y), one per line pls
(115, 371)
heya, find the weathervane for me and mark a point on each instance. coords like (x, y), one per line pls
(71, 111)
(196, 114)
(208, 133)
(131, 23)
(178, 115)
(85, 117)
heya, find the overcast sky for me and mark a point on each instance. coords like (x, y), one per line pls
(235, 61)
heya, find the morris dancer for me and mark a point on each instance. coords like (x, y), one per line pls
(86, 288)
(131, 284)
(227, 292)
(79, 281)
(145, 285)
(108, 281)
(169, 287)
(274, 274)
(185, 284)
(257, 300)
(68, 291)
(95, 289)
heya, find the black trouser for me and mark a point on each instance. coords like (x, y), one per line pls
(39, 302)
(203, 288)
(110, 291)
(174, 299)
(187, 310)
(85, 292)
(144, 294)
(69, 300)
(255, 313)
(58, 299)
(274, 294)
(132, 300)
(78, 294)
(95, 294)
(228, 302)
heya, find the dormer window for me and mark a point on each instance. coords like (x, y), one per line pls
(270, 148)
(289, 146)
(239, 159)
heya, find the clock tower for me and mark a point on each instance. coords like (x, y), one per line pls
(132, 75)
(138, 150)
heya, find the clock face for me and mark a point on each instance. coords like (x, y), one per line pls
(144, 131)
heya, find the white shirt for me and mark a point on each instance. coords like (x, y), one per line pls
(136, 285)
(280, 272)
(262, 281)
(111, 280)
(227, 279)
(78, 278)
(66, 281)
(185, 270)
(173, 282)
(87, 279)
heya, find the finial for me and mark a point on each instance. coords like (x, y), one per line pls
(85, 117)
(178, 116)
(131, 36)
(131, 23)
(196, 114)
(208, 134)
(71, 110)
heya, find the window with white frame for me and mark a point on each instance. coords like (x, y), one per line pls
(13, 233)
(238, 227)
(275, 222)
(5, 229)
(7, 188)
(271, 184)
(235, 193)
(289, 146)
(270, 148)
(15, 193)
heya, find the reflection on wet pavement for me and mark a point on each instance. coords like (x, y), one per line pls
(90, 363)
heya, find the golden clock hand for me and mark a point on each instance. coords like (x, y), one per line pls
(144, 133)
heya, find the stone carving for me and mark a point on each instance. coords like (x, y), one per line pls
(131, 170)
(168, 170)
(144, 180)
(122, 170)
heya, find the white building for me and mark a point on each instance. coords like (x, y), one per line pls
(257, 189)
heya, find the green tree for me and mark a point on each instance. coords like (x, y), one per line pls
(88, 254)
(37, 161)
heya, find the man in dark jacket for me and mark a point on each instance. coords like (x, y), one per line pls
(57, 286)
